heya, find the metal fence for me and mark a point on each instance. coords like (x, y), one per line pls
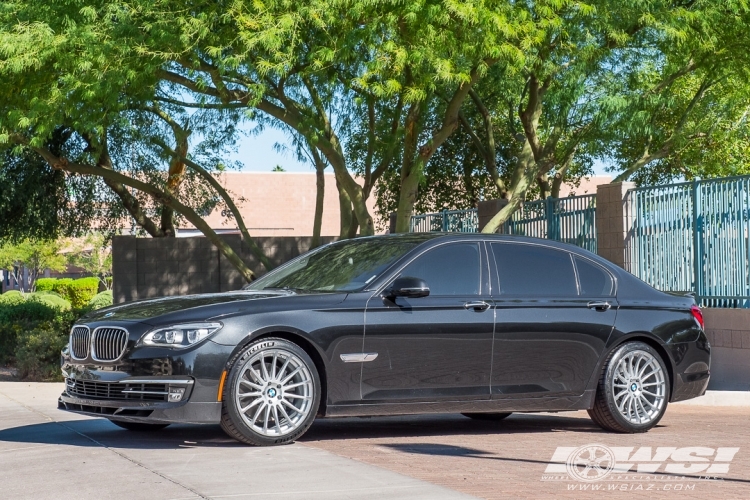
(694, 236)
(455, 221)
(571, 220)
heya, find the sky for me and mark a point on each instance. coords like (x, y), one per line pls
(257, 154)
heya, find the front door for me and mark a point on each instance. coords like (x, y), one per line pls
(554, 314)
(437, 347)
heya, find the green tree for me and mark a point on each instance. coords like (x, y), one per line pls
(103, 95)
(93, 254)
(26, 260)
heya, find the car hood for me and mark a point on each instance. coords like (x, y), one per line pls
(203, 305)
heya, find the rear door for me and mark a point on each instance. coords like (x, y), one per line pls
(554, 313)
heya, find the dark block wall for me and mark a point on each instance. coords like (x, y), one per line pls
(143, 268)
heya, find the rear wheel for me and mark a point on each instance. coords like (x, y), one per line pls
(139, 426)
(633, 391)
(487, 416)
(272, 393)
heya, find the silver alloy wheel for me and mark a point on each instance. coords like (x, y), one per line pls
(639, 387)
(274, 392)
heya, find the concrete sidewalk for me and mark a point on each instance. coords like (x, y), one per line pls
(47, 453)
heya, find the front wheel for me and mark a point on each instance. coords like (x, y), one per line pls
(633, 391)
(272, 393)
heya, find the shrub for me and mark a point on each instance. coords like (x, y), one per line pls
(101, 299)
(51, 299)
(45, 284)
(38, 351)
(17, 319)
(11, 297)
(82, 291)
(78, 292)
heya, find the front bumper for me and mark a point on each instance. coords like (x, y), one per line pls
(140, 411)
(144, 384)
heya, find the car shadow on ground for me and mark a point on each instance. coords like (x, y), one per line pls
(100, 432)
(442, 425)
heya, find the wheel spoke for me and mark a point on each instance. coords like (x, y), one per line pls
(263, 368)
(287, 387)
(621, 393)
(249, 394)
(256, 375)
(255, 402)
(621, 404)
(273, 366)
(257, 412)
(276, 419)
(649, 403)
(290, 405)
(291, 375)
(283, 367)
(286, 415)
(265, 419)
(250, 384)
(296, 396)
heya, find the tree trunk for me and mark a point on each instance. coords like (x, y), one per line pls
(345, 211)
(522, 178)
(206, 175)
(320, 186)
(159, 196)
(407, 198)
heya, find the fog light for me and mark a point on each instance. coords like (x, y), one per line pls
(175, 394)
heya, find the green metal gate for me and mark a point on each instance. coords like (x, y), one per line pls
(693, 236)
(571, 220)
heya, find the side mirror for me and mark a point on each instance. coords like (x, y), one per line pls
(408, 286)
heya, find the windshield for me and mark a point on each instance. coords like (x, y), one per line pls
(346, 266)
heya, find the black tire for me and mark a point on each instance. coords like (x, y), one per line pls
(232, 421)
(606, 413)
(487, 416)
(139, 426)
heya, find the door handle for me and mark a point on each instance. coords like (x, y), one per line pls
(599, 305)
(478, 306)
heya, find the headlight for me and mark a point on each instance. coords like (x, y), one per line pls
(180, 336)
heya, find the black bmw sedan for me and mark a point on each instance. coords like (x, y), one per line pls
(422, 323)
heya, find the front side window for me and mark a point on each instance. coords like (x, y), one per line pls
(534, 270)
(346, 266)
(451, 269)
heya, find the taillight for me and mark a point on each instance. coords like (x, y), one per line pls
(698, 315)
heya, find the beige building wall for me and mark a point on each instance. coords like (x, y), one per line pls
(278, 204)
(283, 203)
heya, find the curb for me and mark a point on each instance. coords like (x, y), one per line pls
(720, 398)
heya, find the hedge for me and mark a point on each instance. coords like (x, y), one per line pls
(45, 284)
(33, 330)
(101, 299)
(78, 292)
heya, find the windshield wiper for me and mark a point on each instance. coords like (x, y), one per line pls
(287, 289)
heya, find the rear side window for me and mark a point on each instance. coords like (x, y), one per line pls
(593, 279)
(451, 269)
(534, 270)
